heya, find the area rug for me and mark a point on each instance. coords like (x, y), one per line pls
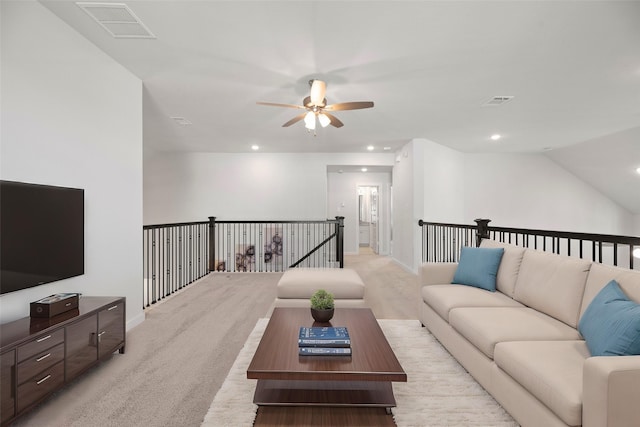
(439, 392)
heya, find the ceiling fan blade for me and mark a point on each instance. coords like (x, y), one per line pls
(349, 106)
(318, 89)
(274, 104)
(296, 119)
(334, 120)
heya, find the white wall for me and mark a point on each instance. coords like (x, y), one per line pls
(71, 116)
(343, 201)
(407, 204)
(443, 183)
(428, 184)
(532, 191)
(181, 187)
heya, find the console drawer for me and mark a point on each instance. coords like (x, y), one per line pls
(38, 363)
(40, 385)
(40, 344)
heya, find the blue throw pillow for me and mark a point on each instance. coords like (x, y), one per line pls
(611, 323)
(478, 267)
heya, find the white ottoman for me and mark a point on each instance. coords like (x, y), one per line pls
(298, 284)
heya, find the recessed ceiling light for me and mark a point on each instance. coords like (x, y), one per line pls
(387, 148)
(638, 170)
(370, 148)
(496, 136)
(254, 147)
(363, 169)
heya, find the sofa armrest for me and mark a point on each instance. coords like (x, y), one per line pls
(437, 273)
(610, 392)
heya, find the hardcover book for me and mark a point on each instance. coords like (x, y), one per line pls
(324, 337)
(324, 351)
(328, 332)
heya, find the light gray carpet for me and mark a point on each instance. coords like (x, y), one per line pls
(439, 392)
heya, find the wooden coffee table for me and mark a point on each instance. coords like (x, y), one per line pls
(360, 380)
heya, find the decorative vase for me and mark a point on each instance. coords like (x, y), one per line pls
(322, 316)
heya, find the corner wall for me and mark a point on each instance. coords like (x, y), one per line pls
(71, 116)
(407, 204)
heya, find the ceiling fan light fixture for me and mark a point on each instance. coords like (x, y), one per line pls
(318, 89)
(324, 120)
(310, 120)
(315, 105)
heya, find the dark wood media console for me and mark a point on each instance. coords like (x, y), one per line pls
(40, 355)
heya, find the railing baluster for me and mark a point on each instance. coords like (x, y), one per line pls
(442, 242)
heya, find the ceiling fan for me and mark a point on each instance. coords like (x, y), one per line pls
(315, 106)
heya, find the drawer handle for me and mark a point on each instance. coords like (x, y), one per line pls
(112, 308)
(40, 359)
(43, 338)
(67, 304)
(43, 380)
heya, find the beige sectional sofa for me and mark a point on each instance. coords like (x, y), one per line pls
(522, 343)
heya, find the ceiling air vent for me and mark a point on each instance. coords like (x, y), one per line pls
(181, 121)
(117, 19)
(497, 101)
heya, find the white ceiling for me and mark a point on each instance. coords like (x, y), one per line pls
(573, 68)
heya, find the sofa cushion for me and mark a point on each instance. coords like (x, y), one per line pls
(478, 267)
(552, 284)
(436, 273)
(611, 323)
(550, 370)
(509, 266)
(443, 298)
(343, 283)
(600, 275)
(484, 327)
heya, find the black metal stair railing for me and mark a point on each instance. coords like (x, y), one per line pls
(442, 242)
(175, 255)
(274, 246)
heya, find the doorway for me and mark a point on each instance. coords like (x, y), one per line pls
(368, 217)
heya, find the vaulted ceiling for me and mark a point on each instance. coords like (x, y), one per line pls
(572, 67)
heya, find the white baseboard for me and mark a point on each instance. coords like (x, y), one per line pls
(135, 321)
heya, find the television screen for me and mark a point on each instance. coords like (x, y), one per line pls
(41, 234)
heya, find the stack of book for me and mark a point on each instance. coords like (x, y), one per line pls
(324, 341)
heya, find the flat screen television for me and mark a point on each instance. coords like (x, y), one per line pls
(41, 234)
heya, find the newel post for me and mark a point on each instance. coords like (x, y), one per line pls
(340, 240)
(483, 230)
(212, 243)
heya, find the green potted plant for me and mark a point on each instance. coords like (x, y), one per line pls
(322, 306)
